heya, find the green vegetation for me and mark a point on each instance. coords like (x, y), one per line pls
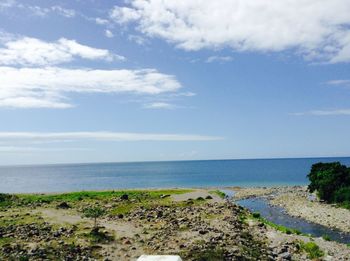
(256, 215)
(312, 249)
(211, 254)
(332, 182)
(26, 199)
(94, 213)
(218, 192)
(326, 237)
(276, 226)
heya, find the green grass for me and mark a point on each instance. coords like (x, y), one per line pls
(96, 195)
(218, 192)
(326, 237)
(281, 228)
(312, 249)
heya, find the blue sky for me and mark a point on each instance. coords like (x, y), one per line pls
(91, 81)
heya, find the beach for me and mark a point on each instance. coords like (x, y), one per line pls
(193, 223)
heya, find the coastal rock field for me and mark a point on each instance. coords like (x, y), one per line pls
(197, 224)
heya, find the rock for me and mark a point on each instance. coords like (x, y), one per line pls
(208, 197)
(285, 256)
(164, 196)
(120, 215)
(202, 232)
(63, 205)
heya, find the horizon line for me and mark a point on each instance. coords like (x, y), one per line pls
(163, 161)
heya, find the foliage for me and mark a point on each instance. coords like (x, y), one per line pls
(312, 249)
(7, 199)
(256, 215)
(218, 192)
(97, 195)
(331, 181)
(326, 237)
(95, 213)
(281, 228)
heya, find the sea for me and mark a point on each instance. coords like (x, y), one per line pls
(169, 174)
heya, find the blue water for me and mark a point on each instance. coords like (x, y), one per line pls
(278, 216)
(219, 173)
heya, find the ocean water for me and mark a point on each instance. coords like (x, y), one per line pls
(206, 173)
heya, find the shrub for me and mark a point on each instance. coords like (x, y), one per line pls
(94, 213)
(312, 249)
(331, 181)
(256, 215)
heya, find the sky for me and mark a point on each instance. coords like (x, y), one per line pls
(153, 80)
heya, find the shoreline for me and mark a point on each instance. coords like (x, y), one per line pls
(192, 222)
(295, 200)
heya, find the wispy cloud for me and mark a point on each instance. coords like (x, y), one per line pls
(319, 30)
(159, 105)
(109, 34)
(29, 51)
(339, 82)
(47, 87)
(324, 112)
(18, 149)
(220, 59)
(101, 136)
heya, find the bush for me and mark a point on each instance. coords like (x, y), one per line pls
(256, 215)
(312, 249)
(331, 181)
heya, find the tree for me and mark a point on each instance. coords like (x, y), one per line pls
(95, 213)
(330, 180)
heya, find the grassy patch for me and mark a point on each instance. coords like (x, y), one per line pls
(122, 209)
(312, 249)
(276, 226)
(5, 240)
(326, 237)
(218, 192)
(96, 195)
(99, 237)
(212, 254)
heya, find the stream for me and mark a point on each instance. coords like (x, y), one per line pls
(279, 216)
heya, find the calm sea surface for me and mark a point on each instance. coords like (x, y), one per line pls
(73, 177)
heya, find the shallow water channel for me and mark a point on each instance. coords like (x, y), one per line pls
(278, 216)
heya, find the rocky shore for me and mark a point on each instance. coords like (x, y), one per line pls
(195, 224)
(298, 202)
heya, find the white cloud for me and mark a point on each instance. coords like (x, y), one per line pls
(47, 87)
(138, 39)
(124, 14)
(324, 112)
(317, 29)
(339, 82)
(63, 11)
(4, 4)
(101, 21)
(31, 51)
(159, 105)
(219, 59)
(17, 149)
(101, 136)
(109, 34)
(46, 11)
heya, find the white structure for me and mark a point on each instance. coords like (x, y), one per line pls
(159, 258)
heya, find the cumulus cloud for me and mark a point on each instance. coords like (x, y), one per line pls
(47, 87)
(316, 29)
(101, 136)
(31, 51)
